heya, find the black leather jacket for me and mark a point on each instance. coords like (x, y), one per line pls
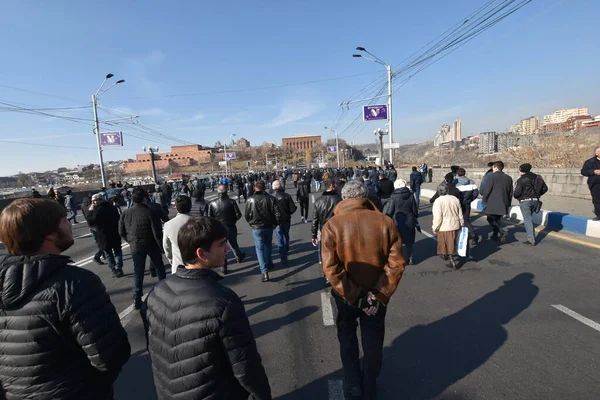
(262, 211)
(323, 210)
(286, 206)
(529, 187)
(303, 189)
(224, 209)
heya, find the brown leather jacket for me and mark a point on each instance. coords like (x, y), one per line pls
(361, 251)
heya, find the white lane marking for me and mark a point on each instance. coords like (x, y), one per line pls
(127, 314)
(578, 317)
(88, 260)
(429, 235)
(336, 390)
(313, 198)
(83, 236)
(327, 309)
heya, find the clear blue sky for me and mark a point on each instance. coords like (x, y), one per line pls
(542, 58)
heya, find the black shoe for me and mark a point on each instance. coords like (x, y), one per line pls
(224, 270)
(454, 262)
(118, 273)
(410, 261)
(502, 238)
(265, 277)
(241, 258)
(475, 240)
(529, 243)
(444, 257)
(137, 303)
(153, 272)
(98, 261)
(596, 219)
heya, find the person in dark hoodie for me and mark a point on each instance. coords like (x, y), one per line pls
(61, 335)
(403, 209)
(385, 187)
(528, 190)
(372, 192)
(416, 180)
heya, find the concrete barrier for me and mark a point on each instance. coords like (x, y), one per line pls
(553, 220)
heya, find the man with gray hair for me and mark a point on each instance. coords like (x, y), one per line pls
(591, 169)
(364, 273)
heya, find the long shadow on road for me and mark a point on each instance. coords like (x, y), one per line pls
(424, 361)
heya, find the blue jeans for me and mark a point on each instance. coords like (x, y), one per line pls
(114, 257)
(417, 194)
(129, 203)
(263, 239)
(318, 185)
(139, 267)
(527, 208)
(282, 233)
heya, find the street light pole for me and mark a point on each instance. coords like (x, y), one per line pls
(225, 151)
(337, 145)
(97, 132)
(97, 123)
(390, 76)
(151, 150)
(380, 133)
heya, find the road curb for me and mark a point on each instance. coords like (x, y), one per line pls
(550, 219)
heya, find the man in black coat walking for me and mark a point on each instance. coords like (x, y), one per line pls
(141, 227)
(302, 196)
(528, 190)
(199, 337)
(497, 198)
(61, 335)
(227, 211)
(287, 208)
(323, 210)
(104, 217)
(591, 169)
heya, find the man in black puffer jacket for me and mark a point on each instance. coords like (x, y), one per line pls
(227, 211)
(199, 337)
(528, 190)
(263, 215)
(323, 210)
(61, 336)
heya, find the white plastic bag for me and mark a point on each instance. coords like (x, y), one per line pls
(463, 241)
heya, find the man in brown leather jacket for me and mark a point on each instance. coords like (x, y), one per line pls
(362, 259)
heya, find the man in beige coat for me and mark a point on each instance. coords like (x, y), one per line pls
(447, 222)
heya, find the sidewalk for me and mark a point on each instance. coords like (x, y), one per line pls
(566, 205)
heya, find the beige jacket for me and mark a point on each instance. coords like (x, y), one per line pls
(447, 214)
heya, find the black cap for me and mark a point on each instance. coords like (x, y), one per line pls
(525, 168)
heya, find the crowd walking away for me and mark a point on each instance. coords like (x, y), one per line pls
(59, 317)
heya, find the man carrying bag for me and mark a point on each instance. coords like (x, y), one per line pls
(528, 190)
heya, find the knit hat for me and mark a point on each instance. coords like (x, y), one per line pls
(525, 168)
(399, 184)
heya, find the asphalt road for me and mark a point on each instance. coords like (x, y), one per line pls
(497, 328)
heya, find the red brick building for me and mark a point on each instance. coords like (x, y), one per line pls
(299, 143)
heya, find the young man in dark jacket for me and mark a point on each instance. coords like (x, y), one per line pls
(141, 227)
(323, 210)
(416, 180)
(227, 211)
(61, 335)
(452, 190)
(591, 169)
(213, 353)
(385, 187)
(104, 217)
(372, 193)
(302, 197)
(287, 208)
(263, 215)
(468, 193)
(528, 190)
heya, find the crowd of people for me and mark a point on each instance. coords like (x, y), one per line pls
(198, 334)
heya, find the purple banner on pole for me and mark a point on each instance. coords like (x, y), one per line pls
(231, 156)
(376, 112)
(331, 149)
(111, 138)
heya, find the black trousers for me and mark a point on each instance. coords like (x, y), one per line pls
(467, 220)
(496, 222)
(595, 190)
(303, 207)
(232, 234)
(372, 329)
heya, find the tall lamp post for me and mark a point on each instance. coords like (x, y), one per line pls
(390, 76)
(97, 123)
(337, 145)
(151, 150)
(225, 150)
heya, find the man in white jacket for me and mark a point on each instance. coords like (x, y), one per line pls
(183, 204)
